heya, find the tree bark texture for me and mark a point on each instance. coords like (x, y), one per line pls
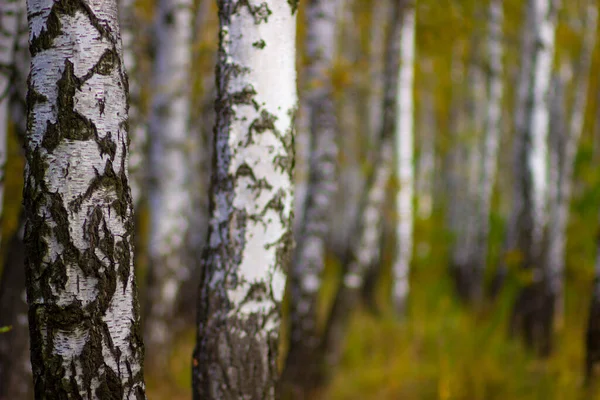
(250, 233)
(309, 256)
(83, 312)
(170, 172)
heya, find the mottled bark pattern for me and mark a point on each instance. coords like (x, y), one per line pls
(250, 232)
(83, 313)
(309, 258)
(169, 165)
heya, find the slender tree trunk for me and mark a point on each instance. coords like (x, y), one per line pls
(566, 149)
(138, 134)
(83, 311)
(534, 307)
(426, 135)
(250, 234)
(404, 136)
(169, 189)
(491, 139)
(364, 247)
(309, 257)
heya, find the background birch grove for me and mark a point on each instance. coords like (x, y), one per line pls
(447, 198)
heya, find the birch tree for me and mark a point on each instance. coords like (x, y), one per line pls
(490, 141)
(565, 148)
(404, 136)
(364, 246)
(309, 257)
(83, 310)
(531, 171)
(169, 190)
(138, 134)
(250, 231)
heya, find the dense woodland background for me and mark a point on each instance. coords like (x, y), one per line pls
(441, 346)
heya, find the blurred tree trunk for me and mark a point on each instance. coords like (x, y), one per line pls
(83, 309)
(404, 139)
(566, 146)
(138, 134)
(365, 244)
(309, 256)
(250, 233)
(490, 143)
(534, 307)
(426, 137)
(169, 165)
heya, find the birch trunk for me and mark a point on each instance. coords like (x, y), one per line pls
(404, 136)
(491, 139)
(309, 256)
(250, 233)
(364, 247)
(482, 161)
(534, 307)
(83, 310)
(169, 190)
(566, 149)
(138, 134)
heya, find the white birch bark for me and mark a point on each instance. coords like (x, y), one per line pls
(169, 189)
(9, 25)
(491, 138)
(83, 309)
(404, 136)
(138, 134)
(566, 148)
(309, 257)
(545, 12)
(250, 233)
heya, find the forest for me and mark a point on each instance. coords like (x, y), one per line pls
(286, 199)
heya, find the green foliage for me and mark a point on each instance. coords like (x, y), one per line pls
(4, 329)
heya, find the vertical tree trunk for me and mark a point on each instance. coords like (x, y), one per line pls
(532, 314)
(426, 135)
(250, 233)
(309, 257)
(83, 310)
(169, 189)
(404, 132)
(138, 134)
(490, 141)
(364, 247)
(566, 148)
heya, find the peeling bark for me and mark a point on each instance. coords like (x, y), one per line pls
(169, 166)
(83, 312)
(309, 256)
(250, 232)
